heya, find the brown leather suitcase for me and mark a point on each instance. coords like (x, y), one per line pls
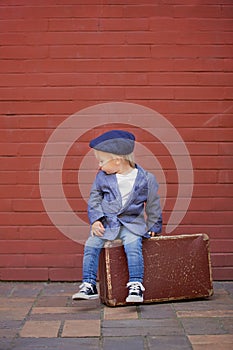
(175, 268)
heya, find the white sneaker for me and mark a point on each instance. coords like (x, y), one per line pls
(87, 291)
(136, 290)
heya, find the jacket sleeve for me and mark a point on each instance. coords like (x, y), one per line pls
(95, 211)
(152, 207)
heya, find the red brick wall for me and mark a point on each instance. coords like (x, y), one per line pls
(58, 57)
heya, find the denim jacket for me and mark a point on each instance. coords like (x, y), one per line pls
(105, 205)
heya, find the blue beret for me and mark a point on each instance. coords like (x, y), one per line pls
(115, 141)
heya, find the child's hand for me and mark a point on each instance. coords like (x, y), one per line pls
(152, 234)
(97, 229)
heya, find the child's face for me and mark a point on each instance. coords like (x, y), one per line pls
(107, 163)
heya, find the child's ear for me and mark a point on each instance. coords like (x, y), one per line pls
(118, 160)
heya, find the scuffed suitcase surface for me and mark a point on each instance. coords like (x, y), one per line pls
(176, 268)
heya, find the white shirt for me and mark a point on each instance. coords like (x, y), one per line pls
(125, 183)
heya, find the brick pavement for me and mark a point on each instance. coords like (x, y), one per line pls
(36, 316)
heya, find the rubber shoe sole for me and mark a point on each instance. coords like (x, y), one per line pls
(82, 296)
(134, 299)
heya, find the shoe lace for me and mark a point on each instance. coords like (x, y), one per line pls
(85, 287)
(135, 287)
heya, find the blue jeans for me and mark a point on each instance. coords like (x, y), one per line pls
(133, 249)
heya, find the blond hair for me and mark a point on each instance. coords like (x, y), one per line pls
(128, 157)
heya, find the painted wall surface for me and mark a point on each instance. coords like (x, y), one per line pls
(60, 57)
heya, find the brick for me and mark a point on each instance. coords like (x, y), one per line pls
(201, 325)
(225, 176)
(113, 10)
(224, 162)
(124, 24)
(9, 260)
(190, 78)
(120, 313)
(14, 314)
(225, 148)
(148, 93)
(78, 328)
(204, 93)
(222, 259)
(222, 273)
(38, 329)
(215, 218)
(218, 341)
(48, 309)
(130, 343)
(9, 232)
(131, 328)
(147, 10)
(73, 24)
(51, 11)
(52, 260)
(16, 301)
(227, 11)
(202, 64)
(190, 24)
(221, 246)
(25, 218)
(9, 191)
(22, 25)
(220, 51)
(65, 274)
(157, 312)
(205, 313)
(197, 11)
(23, 52)
(175, 342)
(23, 274)
(39, 232)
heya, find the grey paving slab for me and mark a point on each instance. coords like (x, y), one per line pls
(129, 343)
(56, 343)
(177, 342)
(142, 327)
(202, 325)
(157, 311)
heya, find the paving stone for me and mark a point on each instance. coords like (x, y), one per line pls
(37, 329)
(52, 320)
(228, 286)
(59, 288)
(222, 302)
(56, 344)
(62, 317)
(121, 313)
(141, 327)
(176, 342)
(211, 342)
(27, 289)
(129, 343)
(157, 311)
(62, 312)
(13, 313)
(53, 310)
(202, 325)
(206, 313)
(59, 301)
(6, 288)
(5, 343)
(227, 324)
(9, 329)
(16, 302)
(81, 328)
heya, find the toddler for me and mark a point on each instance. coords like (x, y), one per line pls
(123, 204)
